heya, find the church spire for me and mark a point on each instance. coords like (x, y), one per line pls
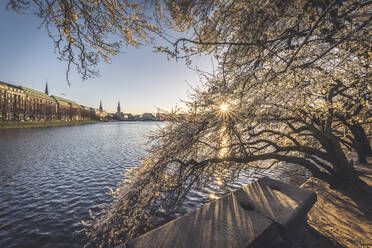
(119, 111)
(46, 88)
(100, 106)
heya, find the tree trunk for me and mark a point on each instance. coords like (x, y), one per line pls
(361, 143)
(342, 167)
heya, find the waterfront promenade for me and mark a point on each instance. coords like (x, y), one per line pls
(35, 124)
(341, 217)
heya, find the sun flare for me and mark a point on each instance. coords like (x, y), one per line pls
(224, 107)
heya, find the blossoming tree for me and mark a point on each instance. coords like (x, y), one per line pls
(293, 85)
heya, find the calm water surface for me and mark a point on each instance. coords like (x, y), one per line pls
(51, 177)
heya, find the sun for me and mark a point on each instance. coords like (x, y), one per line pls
(224, 107)
(224, 111)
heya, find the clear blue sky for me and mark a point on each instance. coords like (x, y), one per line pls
(139, 78)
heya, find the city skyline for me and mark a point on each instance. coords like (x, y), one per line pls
(46, 93)
(139, 78)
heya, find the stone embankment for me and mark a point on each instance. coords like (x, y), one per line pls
(265, 213)
(269, 213)
(33, 124)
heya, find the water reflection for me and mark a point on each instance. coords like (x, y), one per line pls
(51, 177)
(223, 152)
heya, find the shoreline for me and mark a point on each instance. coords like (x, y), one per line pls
(40, 124)
(341, 217)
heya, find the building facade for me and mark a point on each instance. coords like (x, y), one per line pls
(12, 102)
(37, 106)
(19, 103)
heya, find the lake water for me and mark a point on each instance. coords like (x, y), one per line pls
(51, 177)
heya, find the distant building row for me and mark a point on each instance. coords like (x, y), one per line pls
(120, 116)
(20, 103)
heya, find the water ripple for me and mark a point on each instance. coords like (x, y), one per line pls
(51, 177)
